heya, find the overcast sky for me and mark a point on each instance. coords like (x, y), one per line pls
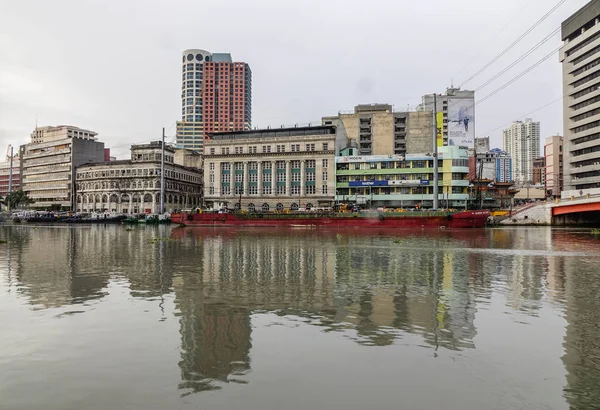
(115, 66)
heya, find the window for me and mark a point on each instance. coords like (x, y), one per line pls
(225, 150)
(281, 177)
(211, 166)
(296, 177)
(311, 163)
(295, 164)
(252, 190)
(310, 147)
(212, 178)
(280, 148)
(325, 163)
(325, 147)
(265, 207)
(324, 189)
(239, 166)
(280, 164)
(266, 165)
(252, 177)
(226, 190)
(373, 165)
(267, 177)
(311, 190)
(310, 176)
(295, 147)
(295, 190)
(239, 150)
(281, 190)
(324, 175)
(252, 149)
(266, 149)
(226, 166)
(267, 190)
(357, 165)
(211, 190)
(212, 151)
(460, 162)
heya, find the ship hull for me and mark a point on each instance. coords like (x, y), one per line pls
(466, 219)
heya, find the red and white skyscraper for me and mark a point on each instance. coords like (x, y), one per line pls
(216, 96)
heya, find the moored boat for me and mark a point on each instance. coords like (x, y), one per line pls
(366, 219)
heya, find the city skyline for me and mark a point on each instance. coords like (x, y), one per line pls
(82, 80)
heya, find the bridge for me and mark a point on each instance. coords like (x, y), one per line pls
(574, 208)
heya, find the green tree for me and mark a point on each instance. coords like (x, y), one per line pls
(16, 199)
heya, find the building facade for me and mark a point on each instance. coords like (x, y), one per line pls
(378, 130)
(269, 170)
(553, 154)
(402, 181)
(10, 180)
(134, 186)
(482, 145)
(216, 96)
(539, 166)
(494, 165)
(451, 109)
(48, 164)
(522, 142)
(580, 58)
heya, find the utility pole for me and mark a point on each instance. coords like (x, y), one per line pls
(162, 174)
(10, 177)
(435, 156)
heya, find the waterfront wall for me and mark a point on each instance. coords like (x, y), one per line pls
(536, 215)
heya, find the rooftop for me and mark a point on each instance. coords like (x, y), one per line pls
(273, 133)
(579, 19)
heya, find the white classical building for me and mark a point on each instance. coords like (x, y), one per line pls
(134, 186)
(272, 169)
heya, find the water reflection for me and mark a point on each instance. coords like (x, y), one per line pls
(376, 288)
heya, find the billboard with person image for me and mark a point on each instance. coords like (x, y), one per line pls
(461, 122)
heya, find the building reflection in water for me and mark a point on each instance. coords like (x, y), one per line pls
(375, 287)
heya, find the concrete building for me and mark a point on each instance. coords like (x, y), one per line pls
(482, 145)
(133, 186)
(494, 165)
(522, 142)
(5, 173)
(60, 132)
(48, 164)
(402, 181)
(453, 101)
(539, 165)
(553, 154)
(580, 58)
(378, 130)
(272, 169)
(216, 96)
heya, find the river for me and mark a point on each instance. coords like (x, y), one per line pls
(109, 317)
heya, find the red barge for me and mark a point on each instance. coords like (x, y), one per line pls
(372, 219)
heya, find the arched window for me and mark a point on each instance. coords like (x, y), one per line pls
(236, 206)
(85, 199)
(147, 198)
(97, 198)
(136, 198)
(157, 184)
(133, 185)
(114, 198)
(79, 199)
(279, 207)
(251, 207)
(265, 207)
(294, 206)
(105, 198)
(145, 184)
(309, 206)
(158, 198)
(124, 198)
(176, 199)
(170, 199)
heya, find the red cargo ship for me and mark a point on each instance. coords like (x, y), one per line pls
(419, 219)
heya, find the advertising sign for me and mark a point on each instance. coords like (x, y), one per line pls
(461, 122)
(369, 158)
(368, 183)
(440, 130)
(409, 182)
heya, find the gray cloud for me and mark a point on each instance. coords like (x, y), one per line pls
(114, 67)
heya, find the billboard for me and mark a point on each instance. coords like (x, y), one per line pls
(439, 119)
(410, 182)
(461, 121)
(369, 158)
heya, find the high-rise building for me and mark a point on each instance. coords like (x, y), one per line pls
(580, 57)
(494, 165)
(522, 142)
(553, 154)
(378, 130)
(216, 96)
(482, 145)
(48, 164)
(10, 174)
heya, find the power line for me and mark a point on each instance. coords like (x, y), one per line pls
(521, 58)
(512, 80)
(493, 38)
(521, 37)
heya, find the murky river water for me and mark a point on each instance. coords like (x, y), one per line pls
(105, 317)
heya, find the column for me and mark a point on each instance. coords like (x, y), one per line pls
(273, 178)
(260, 178)
(288, 177)
(154, 210)
(302, 178)
(245, 182)
(130, 210)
